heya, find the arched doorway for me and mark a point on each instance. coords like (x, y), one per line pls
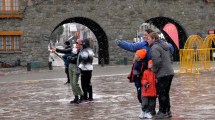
(101, 36)
(160, 22)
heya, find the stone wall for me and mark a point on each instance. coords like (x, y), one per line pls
(116, 17)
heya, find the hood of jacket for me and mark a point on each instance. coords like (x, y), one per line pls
(161, 59)
(161, 43)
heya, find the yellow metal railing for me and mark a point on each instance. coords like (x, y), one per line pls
(188, 61)
(197, 55)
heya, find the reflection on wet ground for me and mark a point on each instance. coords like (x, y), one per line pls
(192, 97)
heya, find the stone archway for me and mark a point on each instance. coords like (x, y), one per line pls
(101, 36)
(160, 22)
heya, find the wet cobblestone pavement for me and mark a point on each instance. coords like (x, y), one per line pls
(192, 97)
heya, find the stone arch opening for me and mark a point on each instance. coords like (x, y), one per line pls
(160, 22)
(103, 53)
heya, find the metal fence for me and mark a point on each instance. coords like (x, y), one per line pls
(201, 57)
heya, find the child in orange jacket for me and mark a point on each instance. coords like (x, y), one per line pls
(149, 92)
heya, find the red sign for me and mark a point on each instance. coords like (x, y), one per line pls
(211, 31)
(172, 31)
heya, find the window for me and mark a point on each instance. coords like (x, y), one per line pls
(209, 1)
(10, 9)
(1, 5)
(9, 6)
(16, 5)
(10, 40)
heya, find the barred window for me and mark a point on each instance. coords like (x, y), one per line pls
(1, 5)
(10, 40)
(17, 42)
(15, 5)
(9, 5)
(8, 43)
(1, 42)
(10, 9)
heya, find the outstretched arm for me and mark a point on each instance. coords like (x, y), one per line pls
(132, 47)
(64, 50)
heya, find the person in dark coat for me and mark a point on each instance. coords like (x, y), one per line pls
(66, 62)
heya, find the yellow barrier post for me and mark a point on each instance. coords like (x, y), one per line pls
(197, 55)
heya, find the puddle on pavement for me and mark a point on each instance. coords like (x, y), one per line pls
(192, 97)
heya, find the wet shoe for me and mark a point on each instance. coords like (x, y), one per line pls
(90, 99)
(75, 101)
(141, 115)
(153, 113)
(147, 115)
(81, 100)
(161, 115)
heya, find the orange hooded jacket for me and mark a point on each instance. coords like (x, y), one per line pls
(149, 76)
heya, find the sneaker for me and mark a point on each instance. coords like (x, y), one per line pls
(148, 115)
(141, 115)
(160, 115)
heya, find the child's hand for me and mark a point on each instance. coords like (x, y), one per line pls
(146, 85)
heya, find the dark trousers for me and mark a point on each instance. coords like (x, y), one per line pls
(86, 84)
(139, 97)
(163, 88)
(67, 74)
(149, 104)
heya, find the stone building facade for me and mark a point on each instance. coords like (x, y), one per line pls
(108, 19)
